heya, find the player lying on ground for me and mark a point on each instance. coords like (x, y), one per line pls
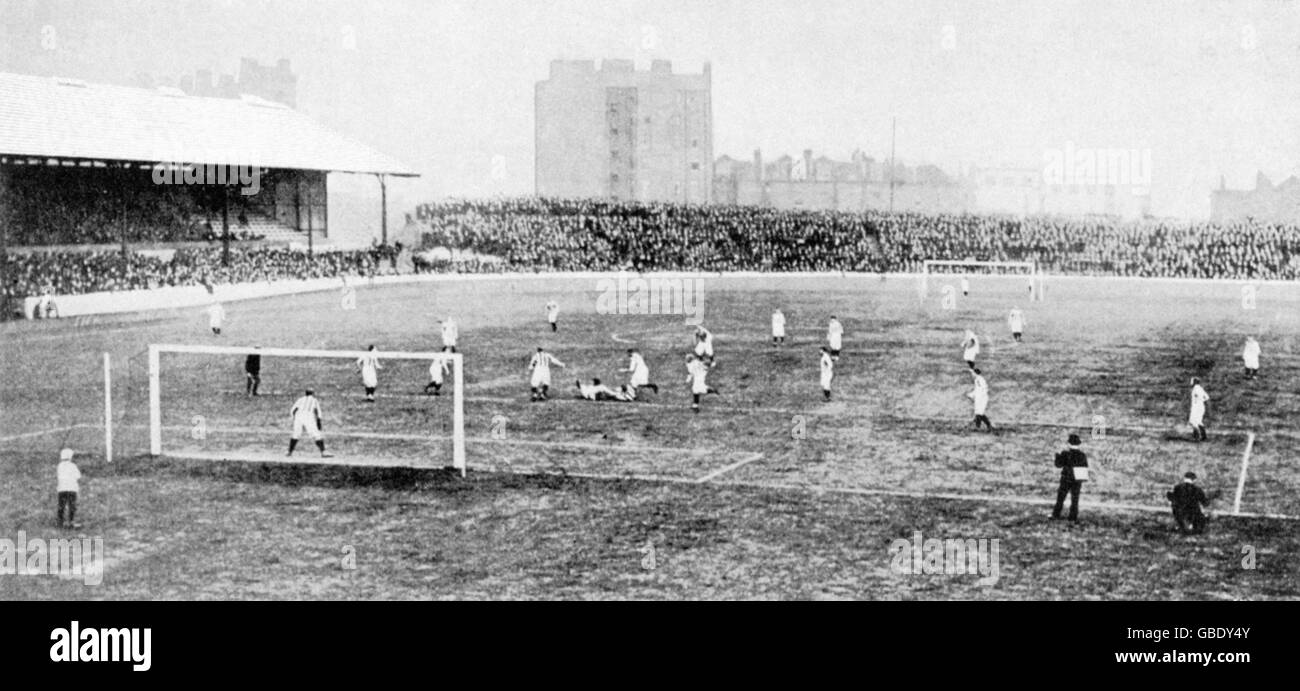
(596, 391)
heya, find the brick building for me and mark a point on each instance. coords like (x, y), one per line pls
(1267, 202)
(622, 133)
(857, 184)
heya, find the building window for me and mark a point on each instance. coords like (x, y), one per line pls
(613, 131)
(613, 177)
(613, 155)
(695, 166)
(695, 142)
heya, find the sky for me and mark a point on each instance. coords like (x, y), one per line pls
(1209, 88)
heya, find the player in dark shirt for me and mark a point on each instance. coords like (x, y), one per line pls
(1071, 479)
(1187, 500)
(252, 373)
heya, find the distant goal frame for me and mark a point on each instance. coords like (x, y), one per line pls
(456, 360)
(1034, 273)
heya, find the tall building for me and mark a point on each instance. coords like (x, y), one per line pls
(622, 133)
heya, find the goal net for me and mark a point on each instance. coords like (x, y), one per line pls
(201, 406)
(1006, 278)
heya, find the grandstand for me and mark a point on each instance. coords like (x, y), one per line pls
(88, 168)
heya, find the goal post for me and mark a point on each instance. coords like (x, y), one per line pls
(1028, 270)
(454, 360)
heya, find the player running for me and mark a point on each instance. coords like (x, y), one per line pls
(449, 335)
(216, 317)
(639, 371)
(828, 371)
(1250, 357)
(778, 327)
(970, 348)
(698, 371)
(835, 336)
(306, 414)
(553, 315)
(1196, 417)
(439, 368)
(369, 367)
(540, 366)
(980, 398)
(1016, 320)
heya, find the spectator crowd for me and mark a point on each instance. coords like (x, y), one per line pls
(537, 234)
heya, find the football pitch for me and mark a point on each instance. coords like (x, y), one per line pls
(767, 492)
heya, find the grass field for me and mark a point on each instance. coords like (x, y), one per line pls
(769, 492)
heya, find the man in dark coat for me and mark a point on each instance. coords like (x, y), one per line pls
(1187, 500)
(1074, 471)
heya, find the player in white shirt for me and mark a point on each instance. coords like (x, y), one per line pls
(1016, 320)
(835, 336)
(778, 327)
(698, 371)
(216, 317)
(449, 335)
(306, 414)
(369, 367)
(1196, 417)
(970, 348)
(438, 370)
(1250, 357)
(540, 366)
(69, 484)
(980, 398)
(704, 344)
(596, 391)
(553, 315)
(828, 371)
(965, 286)
(639, 372)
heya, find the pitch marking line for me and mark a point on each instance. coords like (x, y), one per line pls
(728, 468)
(43, 432)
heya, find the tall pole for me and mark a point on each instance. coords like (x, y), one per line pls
(310, 244)
(225, 225)
(383, 208)
(893, 140)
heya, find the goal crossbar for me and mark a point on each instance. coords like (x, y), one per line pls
(155, 381)
(1031, 270)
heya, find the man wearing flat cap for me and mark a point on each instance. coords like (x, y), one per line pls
(1074, 471)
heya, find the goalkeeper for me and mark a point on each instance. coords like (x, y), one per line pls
(306, 415)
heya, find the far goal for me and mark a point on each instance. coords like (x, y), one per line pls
(1004, 278)
(201, 406)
